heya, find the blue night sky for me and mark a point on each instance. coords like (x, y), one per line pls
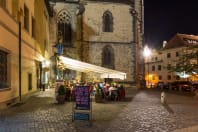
(165, 18)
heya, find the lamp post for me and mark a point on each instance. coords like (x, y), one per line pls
(147, 53)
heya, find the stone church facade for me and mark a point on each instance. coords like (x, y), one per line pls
(106, 33)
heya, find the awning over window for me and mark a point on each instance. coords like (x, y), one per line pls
(86, 67)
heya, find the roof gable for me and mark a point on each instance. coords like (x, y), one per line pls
(182, 40)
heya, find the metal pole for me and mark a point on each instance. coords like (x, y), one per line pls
(148, 74)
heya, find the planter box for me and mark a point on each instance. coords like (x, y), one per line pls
(98, 98)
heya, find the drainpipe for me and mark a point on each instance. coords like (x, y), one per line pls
(19, 61)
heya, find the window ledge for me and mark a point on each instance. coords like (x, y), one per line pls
(4, 89)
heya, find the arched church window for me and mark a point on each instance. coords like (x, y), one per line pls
(64, 28)
(107, 22)
(108, 57)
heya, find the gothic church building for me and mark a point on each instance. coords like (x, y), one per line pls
(107, 33)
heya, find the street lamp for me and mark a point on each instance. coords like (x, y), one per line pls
(147, 53)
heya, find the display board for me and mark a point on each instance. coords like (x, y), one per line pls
(82, 105)
(82, 97)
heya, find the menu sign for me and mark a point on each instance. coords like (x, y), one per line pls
(82, 97)
(81, 116)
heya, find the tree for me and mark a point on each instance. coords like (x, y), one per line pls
(187, 62)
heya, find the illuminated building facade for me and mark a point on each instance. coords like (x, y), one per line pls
(24, 48)
(158, 64)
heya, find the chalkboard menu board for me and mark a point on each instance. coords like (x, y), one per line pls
(81, 116)
(82, 97)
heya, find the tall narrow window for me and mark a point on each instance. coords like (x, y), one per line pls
(160, 77)
(29, 81)
(159, 67)
(26, 18)
(108, 57)
(107, 22)
(177, 54)
(3, 70)
(64, 28)
(64, 33)
(169, 77)
(33, 28)
(153, 68)
(169, 67)
(168, 55)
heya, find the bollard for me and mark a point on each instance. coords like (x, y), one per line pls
(163, 98)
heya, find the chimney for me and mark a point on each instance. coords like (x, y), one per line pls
(164, 43)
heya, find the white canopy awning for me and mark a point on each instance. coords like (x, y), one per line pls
(86, 67)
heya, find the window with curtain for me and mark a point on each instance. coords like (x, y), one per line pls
(107, 22)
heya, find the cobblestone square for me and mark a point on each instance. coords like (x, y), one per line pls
(142, 111)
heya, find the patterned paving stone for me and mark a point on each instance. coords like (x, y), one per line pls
(142, 113)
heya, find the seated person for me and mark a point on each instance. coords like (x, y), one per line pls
(113, 93)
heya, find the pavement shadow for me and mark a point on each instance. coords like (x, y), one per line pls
(126, 99)
(168, 108)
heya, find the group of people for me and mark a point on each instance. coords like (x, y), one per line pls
(108, 91)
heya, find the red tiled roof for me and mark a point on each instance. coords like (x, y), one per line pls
(182, 40)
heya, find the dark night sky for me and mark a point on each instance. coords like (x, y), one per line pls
(165, 18)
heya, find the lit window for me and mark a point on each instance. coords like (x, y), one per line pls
(153, 77)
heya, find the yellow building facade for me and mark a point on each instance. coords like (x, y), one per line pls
(24, 48)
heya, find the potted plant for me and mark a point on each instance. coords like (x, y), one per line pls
(61, 94)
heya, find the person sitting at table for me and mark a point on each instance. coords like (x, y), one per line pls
(113, 92)
(121, 92)
(106, 90)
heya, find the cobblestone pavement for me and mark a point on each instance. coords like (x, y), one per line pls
(142, 111)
